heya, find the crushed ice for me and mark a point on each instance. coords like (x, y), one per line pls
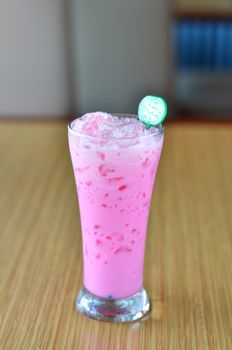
(107, 126)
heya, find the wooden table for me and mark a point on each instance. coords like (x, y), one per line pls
(188, 267)
(207, 9)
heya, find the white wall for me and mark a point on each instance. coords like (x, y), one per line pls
(33, 58)
(121, 52)
(105, 55)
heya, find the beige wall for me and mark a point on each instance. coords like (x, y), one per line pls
(33, 71)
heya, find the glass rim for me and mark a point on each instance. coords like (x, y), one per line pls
(158, 132)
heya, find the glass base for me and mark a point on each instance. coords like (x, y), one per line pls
(113, 310)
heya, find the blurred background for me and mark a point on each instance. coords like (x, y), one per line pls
(59, 58)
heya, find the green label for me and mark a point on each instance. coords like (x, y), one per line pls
(152, 110)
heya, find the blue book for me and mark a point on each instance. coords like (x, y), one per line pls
(229, 46)
(220, 53)
(175, 41)
(207, 54)
(196, 44)
(183, 45)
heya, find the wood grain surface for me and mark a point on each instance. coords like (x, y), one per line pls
(204, 10)
(188, 266)
(204, 6)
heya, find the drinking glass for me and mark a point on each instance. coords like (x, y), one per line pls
(114, 180)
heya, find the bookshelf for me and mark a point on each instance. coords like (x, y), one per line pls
(209, 9)
(203, 55)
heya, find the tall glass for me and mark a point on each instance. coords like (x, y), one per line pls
(114, 181)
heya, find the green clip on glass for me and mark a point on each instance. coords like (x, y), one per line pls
(152, 111)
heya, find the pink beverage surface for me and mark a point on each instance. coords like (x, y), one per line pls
(115, 162)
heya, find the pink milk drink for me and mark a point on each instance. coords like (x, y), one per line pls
(115, 160)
